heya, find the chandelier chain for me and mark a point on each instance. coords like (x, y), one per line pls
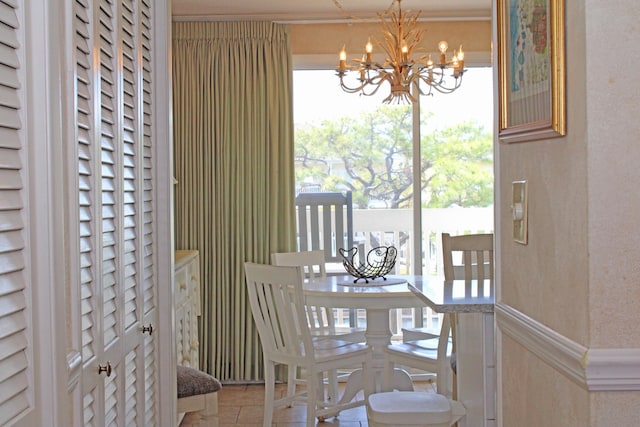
(355, 18)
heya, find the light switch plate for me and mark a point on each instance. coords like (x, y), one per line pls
(519, 211)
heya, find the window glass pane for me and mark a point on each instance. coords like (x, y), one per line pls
(457, 163)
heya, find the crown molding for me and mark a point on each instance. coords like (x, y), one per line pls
(333, 18)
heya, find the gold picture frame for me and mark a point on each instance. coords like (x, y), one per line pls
(531, 70)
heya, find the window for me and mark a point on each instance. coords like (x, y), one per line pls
(347, 142)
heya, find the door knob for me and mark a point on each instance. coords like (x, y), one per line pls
(148, 329)
(105, 368)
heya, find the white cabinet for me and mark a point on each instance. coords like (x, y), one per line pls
(187, 301)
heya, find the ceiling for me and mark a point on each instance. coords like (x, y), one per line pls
(322, 10)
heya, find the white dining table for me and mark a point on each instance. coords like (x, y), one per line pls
(472, 301)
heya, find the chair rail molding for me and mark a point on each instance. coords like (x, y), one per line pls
(595, 369)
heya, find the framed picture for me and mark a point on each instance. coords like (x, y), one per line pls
(531, 70)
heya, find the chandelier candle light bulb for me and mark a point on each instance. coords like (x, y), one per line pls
(400, 38)
(369, 50)
(343, 60)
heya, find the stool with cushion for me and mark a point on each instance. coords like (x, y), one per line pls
(197, 397)
(414, 409)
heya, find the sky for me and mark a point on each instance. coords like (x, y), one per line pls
(317, 97)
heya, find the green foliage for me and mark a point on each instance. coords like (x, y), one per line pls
(371, 156)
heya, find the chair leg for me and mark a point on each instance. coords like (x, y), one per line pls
(269, 392)
(209, 415)
(333, 386)
(387, 375)
(352, 388)
(191, 419)
(369, 383)
(292, 376)
(315, 386)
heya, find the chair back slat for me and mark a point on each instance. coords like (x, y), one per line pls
(476, 256)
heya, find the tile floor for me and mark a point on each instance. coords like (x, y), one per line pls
(242, 405)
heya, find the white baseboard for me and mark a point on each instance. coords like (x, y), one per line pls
(595, 369)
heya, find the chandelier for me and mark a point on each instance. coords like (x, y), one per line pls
(400, 70)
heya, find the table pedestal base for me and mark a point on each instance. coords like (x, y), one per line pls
(355, 382)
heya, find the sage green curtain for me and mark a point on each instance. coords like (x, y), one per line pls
(233, 156)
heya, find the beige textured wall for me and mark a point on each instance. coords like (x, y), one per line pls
(538, 396)
(580, 272)
(613, 129)
(328, 39)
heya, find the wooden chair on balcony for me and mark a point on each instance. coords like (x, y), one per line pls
(325, 222)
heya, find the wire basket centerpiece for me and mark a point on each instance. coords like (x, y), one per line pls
(378, 263)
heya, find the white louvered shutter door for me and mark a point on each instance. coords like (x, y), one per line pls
(116, 237)
(16, 384)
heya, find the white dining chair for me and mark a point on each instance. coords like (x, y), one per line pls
(468, 256)
(412, 409)
(278, 309)
(465, 257)
(422, 355)
(321, 320)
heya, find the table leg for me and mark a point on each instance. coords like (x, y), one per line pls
(476, 368)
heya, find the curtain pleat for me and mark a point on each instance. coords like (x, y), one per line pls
(233, 157)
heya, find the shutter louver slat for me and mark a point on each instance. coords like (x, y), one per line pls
(13, 398)
(17, 362)
(11, 345)
(9, 97)
(9, 17)
(9, 118)
(9, 139)
(14, 323)
(10, 221)
(8, 75)
(11, 246)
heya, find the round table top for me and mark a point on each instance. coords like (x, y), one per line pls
(340, 291)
